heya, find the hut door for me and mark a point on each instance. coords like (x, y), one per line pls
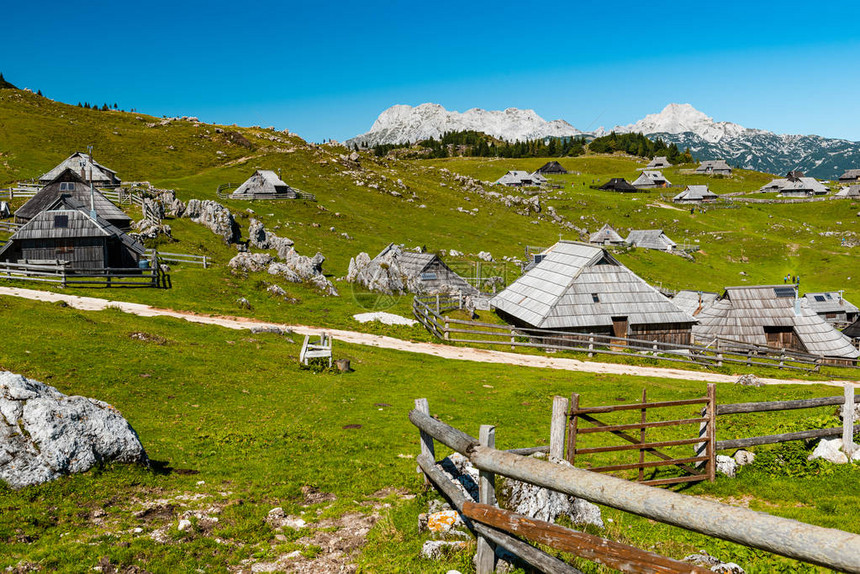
(780, 337)
(619, 331)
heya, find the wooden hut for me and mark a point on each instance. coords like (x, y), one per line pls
(618, 184)
(581, 288)
(551, 167)
(67, 231)
(659, 162)
(69, 184)
(264, 184)
(852, 331)
(520, 178)
(650, 239)
(714, 167)
(695, 194)
(651, 179)
(85, 166)
(772, 316)
(832, 307)
(850, 175)
(606, 236)
(850, 192)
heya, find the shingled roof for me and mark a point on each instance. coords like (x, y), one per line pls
(518, 177)
(551, 167)
(69, 184)
(618, 184)
(651, 179)
(714, 166)
(606, 236)
(850, 192)
(830, 302)
(659, 162)
(650, 239)
(743, 314)
(850, 175)
(576, 285)
(101, 176)
(264, 182)
(695, 193)
(693, 302)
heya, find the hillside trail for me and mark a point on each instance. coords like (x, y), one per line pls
(384, 342)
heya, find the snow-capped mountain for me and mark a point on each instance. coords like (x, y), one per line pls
(407, 124)
(748, 148)
(681, 124)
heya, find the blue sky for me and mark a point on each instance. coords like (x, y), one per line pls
(327, 69)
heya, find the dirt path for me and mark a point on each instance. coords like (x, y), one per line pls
(437, 350)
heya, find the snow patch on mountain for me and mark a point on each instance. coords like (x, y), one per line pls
(406, 124)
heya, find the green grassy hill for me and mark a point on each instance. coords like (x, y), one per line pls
(420, 202)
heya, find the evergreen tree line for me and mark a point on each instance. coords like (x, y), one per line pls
(103, 108)
(640, 146)
(477, 144)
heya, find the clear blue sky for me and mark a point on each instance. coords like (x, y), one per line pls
(327, 69)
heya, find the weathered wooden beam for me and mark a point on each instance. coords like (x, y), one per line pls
(485, 560)
(781, 405)
(427, 447)
(822, 546)
(446, 434)
(775, 438)
(640, 425)
(637, 406)
(557, 427)
(537, 558)
(649, 464)
(607, 552)
(528, 450)
(637, 446)
(847, 420)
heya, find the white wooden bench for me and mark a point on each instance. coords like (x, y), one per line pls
(321, 350)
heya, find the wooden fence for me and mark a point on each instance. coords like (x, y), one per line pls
(10, 226)
(180, 258)
(117, 195)
(429, 312)
(494, 526)
(60, 274)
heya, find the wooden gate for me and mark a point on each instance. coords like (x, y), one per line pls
(701, 466)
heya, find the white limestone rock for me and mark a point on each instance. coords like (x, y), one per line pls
(726, 465)
(830, 450)
(45, 434)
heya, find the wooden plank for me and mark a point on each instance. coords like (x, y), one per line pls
(780, 405)
(711, 433)
(848, 445)
(676, 480)
(447, 435)
(528, 450)
(557, 427)
(428, 449)
(634, 426)
(535, 557)
(776, 438)
(607, 552)
(572, 427)
(642, 420)
(637, 406)
(649, 464)
(485, 560)
(637, 446)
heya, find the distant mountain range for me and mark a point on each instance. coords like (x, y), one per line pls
(680, 124)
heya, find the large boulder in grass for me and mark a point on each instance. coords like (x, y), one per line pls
(45, 434)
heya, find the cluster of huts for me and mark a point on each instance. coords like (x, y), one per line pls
(795, 184)
(643, 238)
(69, 222)
(582, 289)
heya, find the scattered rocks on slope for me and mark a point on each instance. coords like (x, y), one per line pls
(260, 238)
(749, 381)
(381, 274)
(713, 563)
(250, 262)
(214, 216)
(726, 465)
(45, 434)
(832, 451)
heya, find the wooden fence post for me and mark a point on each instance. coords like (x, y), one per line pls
(848, 445)
(486, 556)
(557, 427)
(513, 340)
(427, 446)
(437, 303)
(642, 434)
(712, 431)
(591, 347)
(572, 425)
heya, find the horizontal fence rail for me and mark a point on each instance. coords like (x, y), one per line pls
(180, 258)
(428, 310)
(826, 547)
(61, 274)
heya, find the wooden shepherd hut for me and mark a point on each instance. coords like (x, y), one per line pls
(551, 167)
(650, 239)
(850, 175)
(695, 194)
(69, 184)
(850, 192)
(651, 179)
(714, 167)
(85, 166)
(580, 288)
(659, 162)
(520, 178)
(772, 316)
(832, 307)
(432, 273)
(852, 331)
(264, 184)
(67, 231)
(606, 236)
(618, 184)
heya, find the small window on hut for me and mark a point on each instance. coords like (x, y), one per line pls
(61, 221)
(67, 186)
(429, 276)
(595, 297)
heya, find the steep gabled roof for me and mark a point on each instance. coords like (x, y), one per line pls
(618, 184)
(650, 239)
(606, 235)
(743, 313)
(853, 330)
(713, 165)
(576, 285)
(852, 191)
(100, 174)
(658, 162)
(829, 302)
(551, 167)
(695, 193)
(693, 302)
(650, 178)
(850, 175)
(521, 177)
(68, 183)
(264, 182)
